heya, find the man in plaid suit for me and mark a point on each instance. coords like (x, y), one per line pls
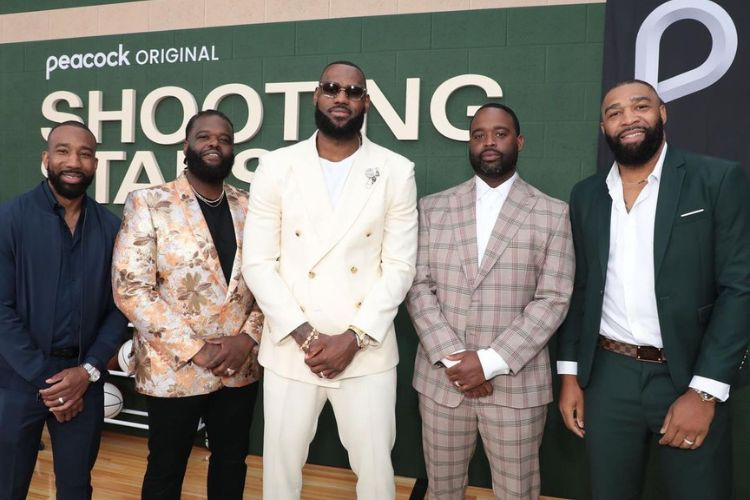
(494, 277)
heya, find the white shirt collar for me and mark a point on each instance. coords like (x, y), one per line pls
(502, 190)
(614, 180)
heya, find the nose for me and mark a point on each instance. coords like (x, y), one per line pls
(341, 96)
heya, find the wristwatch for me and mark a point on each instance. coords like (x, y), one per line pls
(705, 397)
(94, 374)
(363, 340)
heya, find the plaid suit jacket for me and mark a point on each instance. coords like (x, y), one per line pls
(512, 302)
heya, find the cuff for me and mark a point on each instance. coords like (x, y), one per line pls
(715, 388)
(567, 368)
(492, 363)
(448, 362)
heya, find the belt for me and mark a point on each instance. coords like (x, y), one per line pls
(64, 352)
(646, 353)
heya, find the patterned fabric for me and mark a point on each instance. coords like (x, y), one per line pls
(510, 436)
(168, 281)
(513, 302)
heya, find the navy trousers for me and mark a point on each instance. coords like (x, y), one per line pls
(75, 444)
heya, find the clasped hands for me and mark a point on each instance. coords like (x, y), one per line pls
(64, 396)
(468, 375)
(328, 355)
(224, 356)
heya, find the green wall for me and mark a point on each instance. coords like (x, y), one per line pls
(547, 60)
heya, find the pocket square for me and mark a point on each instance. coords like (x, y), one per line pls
(693, 212)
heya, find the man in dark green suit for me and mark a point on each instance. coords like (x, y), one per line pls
(660, 313)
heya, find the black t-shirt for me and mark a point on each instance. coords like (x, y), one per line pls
(219, 221)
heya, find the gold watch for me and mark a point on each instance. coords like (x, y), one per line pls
(363, 340)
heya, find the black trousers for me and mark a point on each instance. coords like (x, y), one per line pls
(173, 424)
(75, 444)
(626, 402)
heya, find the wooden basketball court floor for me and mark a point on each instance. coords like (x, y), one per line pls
(122, 461)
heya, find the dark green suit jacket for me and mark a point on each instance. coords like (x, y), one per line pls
(701, 264)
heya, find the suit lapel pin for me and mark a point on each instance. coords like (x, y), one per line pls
(372, 175)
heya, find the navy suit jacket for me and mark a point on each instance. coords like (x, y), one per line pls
(30, 246)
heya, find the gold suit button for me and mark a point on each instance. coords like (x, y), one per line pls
(298, 233)
(358, 305)
(311, 275)
(368, 234)
(354, 269)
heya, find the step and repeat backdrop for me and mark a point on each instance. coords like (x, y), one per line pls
(426, 73)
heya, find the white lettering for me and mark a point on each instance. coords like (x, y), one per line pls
(50, 112)
(291, 91)
(148, 113)
(443, 92)
(254, 108)
(142, 161)
(125, 115)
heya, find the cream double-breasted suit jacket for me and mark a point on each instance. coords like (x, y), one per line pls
(308, 262)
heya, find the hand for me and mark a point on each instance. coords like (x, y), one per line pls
(483, 390)
(689, 418)
(331, 354)
(66, 387)
(571, 404)
(207, 356)
(234, 351)
(468, 373)
(67, 415)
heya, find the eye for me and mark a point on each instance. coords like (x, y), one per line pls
(86, 154)
(225, 140)
(478, 136)
(501, 133)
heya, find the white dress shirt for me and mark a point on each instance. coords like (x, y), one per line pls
(489, 202)
(629, 312)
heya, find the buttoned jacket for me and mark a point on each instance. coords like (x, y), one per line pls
(512, 302)
(168, 281)
(333, 268)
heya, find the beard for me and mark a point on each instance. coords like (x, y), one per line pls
(637, 154)
(345, 131)
(496, 169)
(69, 191)
(205, 172)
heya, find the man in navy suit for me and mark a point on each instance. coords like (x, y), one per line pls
(58, 321)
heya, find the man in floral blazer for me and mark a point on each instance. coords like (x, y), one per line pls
(176, 276)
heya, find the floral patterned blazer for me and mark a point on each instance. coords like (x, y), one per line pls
(167, 279)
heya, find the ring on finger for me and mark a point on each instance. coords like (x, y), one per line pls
(456, 383)
(61, 400)
(688, 442)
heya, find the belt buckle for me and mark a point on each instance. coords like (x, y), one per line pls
(648, 354)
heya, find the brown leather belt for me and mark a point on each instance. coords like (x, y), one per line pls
(646, 353)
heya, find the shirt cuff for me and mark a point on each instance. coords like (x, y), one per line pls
(448, 362)
(492, 363)
(567, 368)
(715, 388)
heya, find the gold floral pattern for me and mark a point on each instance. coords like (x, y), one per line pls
(167, 280)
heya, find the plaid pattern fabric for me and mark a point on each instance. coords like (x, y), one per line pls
(513, 302)
(511, 439)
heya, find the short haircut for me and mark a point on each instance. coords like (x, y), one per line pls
(497, 105)
(345, 63)
(70, 123)
(635, 80)
(206, 112)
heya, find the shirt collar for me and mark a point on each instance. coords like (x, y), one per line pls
(503, 189)
(614, 180)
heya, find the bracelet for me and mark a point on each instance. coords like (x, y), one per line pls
(311, 337)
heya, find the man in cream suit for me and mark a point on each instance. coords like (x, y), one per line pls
(494, 277)
(176, 276)
(333, 223)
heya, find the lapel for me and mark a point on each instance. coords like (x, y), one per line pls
(193, 214)
(334, 224)
(603, 212)
(670, 186)
(513, 215)
(237, 209)
(312, 187)
(464, 223)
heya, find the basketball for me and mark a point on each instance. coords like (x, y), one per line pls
(112, 400)
(124, 355)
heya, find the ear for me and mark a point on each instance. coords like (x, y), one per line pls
(185, 147)
(366, 102)
(663, 112)
(520, 141)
